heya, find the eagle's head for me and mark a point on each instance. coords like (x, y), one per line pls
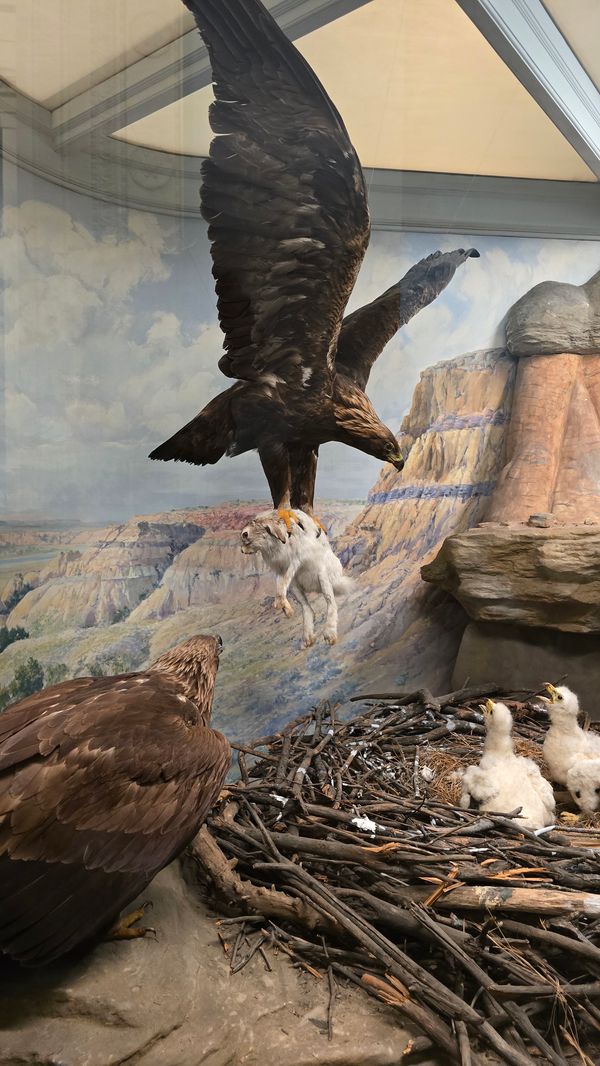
(496, 717)
(393, 454)
(193, 664)
(358, 424)
(562, 704)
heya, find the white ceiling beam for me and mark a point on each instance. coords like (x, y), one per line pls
(174, 71)
(527, 39)
(147, 180)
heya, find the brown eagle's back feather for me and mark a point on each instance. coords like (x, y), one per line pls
(103, 781)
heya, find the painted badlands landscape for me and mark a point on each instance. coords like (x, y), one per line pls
(112, 599)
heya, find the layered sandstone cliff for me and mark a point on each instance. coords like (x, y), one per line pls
(182, 573)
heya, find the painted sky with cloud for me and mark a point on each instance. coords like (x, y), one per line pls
(111, 343)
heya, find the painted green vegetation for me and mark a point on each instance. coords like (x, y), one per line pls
(28, 678)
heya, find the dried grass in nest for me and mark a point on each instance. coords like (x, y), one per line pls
(337, 847)
(448, 765)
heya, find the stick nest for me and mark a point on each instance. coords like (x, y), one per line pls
(342, 846)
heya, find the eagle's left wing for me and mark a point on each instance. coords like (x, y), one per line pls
(284, 196)
(365, 333)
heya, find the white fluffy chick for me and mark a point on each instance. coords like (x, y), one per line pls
(566, 742)
(583, 782)
(503, 780)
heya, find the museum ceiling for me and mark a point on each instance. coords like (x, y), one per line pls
(418, 84)
(419, 89)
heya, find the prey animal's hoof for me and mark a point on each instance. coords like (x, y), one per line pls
(289, 517)
(127, 929)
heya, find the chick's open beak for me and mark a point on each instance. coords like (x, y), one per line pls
(552, 693)
(487, 707)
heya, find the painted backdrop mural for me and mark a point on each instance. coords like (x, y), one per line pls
(110, 344)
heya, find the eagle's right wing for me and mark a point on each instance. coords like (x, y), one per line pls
(284, 196)
(365, 333)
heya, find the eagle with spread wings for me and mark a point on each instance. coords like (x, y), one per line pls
(285, 200)
(103, 781)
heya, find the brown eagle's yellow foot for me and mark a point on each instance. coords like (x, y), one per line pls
(289, 517)
(319, 523)
(124, 929)
(568, 818)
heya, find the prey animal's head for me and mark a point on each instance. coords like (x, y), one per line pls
(193, 664)
(562, 704)
(263, 534)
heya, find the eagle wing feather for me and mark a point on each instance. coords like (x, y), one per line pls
(284, 196)
(101, 784)
(365, 332)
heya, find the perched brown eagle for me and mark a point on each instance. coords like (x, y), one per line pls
(284, 196)
(103, 781)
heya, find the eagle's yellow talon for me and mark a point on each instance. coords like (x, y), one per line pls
(288, 517)
(318, 523)
(125, 928)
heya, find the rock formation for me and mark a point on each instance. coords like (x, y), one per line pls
(552, 452)
(523, 575)
(104, 583)
(536, 561)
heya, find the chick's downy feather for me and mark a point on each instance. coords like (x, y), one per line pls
(566, 743)
(504, 781)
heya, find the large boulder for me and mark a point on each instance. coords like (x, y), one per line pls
(555, 317)
(524, 575)
(172, 1001)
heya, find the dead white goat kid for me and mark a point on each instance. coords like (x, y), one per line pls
(304, 561)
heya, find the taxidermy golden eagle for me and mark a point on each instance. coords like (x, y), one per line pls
(103, 781)
(284, 196)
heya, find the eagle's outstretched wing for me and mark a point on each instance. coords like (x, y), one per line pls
(284, 196)
(365, 333)
(102, 782)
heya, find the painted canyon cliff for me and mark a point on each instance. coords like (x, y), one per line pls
(111, 599)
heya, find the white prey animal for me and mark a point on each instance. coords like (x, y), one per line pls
(304, 561)
(566, 743)
(503, 780)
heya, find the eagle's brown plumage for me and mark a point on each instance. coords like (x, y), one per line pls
(103, 781)
(284, 196)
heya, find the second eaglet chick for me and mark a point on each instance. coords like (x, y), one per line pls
(583, 782)
(566, 743)
(503, 781)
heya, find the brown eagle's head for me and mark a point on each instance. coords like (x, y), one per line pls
(194, 664)
(384, 446)
(393, 454)
(358, 424)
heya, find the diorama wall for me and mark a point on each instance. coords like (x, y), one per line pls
(111, 343)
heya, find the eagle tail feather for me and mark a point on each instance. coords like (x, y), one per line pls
(205, 439)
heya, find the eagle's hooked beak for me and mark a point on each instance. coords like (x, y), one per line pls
(397, 461)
